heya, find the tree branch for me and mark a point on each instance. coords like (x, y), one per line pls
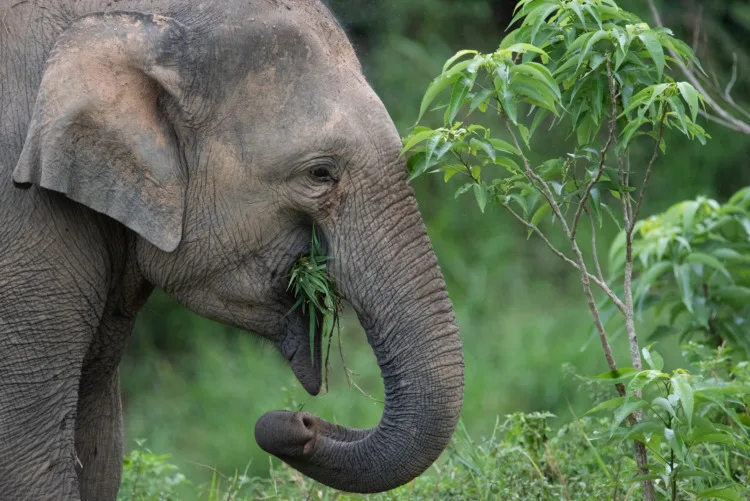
(596, 254)
(585, 275)
(731, 121)
(649, 168)
(599, 281)
(603, 152)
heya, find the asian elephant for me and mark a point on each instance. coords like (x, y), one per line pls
(191, 145)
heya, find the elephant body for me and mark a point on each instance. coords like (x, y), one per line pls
(192, 146)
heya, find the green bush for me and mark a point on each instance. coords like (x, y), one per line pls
(694, 267)
(149, 477)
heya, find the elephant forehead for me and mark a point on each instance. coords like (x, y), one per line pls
(311, 96)
(306, 20)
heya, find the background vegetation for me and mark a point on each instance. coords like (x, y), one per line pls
(195, 389)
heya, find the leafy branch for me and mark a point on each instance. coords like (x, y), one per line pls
(720, 114)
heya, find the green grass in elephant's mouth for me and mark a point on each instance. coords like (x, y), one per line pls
(315, 293)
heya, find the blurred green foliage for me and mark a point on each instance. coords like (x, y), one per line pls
(523, 457)
(194, 388)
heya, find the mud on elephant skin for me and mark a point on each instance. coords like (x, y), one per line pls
(191, 145)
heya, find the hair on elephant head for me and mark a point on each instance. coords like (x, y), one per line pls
(192, 146)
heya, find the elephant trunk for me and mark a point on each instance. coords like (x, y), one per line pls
(388, 271)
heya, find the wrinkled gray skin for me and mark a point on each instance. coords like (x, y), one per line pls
(191, 146)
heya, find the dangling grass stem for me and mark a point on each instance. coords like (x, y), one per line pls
(315, 292)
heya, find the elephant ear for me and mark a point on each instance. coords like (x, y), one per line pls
(99, 132)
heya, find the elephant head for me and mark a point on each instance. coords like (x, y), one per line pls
(218, 134)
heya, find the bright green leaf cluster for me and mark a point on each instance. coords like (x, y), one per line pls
(689, 422)
(693, 265)
(565, 64)
(314, 291)
(149, 476)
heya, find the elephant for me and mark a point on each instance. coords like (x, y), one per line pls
(192, 146)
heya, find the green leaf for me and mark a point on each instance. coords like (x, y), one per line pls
(463, 189)
(585, 130)
(525, 134)
(713, 436)
(458, 96)
(653, 359)
(576, 7)
(414, 139)
(608, 404)
(482, 145)
(708, 260)
(416, 164)
(539, 117)
(615, 376)
(740, 198)
(724, 493)
(430, 148)
(678, 110)
(509, 164)
(739, 294)
(624, 411)
(650, 276)
(480, 193)
(540, 73)
(504, 146)
(664, 404)
(481, 100)
(452, 170)
(439, 84)
(644, 99)
(504, 94)
(688, 215)
(476, 172)
(594, 13)
(655, 50)
(534, 92)
(690, 95)
(640, 431)
(522, 48)
(539, 15)
(682, 275)
(617, 251)
(642, 379)
(459, 55)
(520, 201)
(683, 388)
(592, 40)
(596, 204)
(540, 213)
(675, 442)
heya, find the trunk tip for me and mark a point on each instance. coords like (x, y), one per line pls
(286, 434)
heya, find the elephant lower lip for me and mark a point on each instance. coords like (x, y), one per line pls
(307, 365)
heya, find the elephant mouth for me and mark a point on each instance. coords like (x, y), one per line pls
(306, 359)
(309, 282)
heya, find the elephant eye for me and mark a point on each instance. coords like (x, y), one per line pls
(321, 173)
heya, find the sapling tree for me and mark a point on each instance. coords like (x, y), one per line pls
(591, 69)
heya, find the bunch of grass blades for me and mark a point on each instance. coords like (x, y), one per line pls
(315, 292)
